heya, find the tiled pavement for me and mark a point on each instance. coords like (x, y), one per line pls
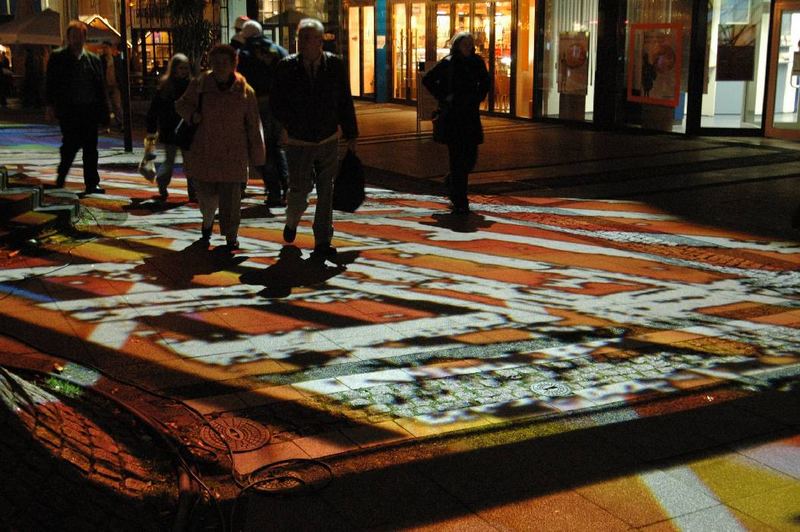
(531, 308)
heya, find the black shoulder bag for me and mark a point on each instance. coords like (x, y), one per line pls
(440, 115)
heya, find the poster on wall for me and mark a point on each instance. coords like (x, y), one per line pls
(736, 52)
(654, 68)
(573, 62)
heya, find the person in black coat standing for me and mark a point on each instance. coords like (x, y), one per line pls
(460, 82)
(76, 96)
(162, 119)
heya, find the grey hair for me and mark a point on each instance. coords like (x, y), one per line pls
(311, 23)
(456, 40)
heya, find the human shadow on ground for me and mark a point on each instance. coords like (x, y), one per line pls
(151, 205)
(292, 271)
(257, 211)
(460, 223)
(180, 267)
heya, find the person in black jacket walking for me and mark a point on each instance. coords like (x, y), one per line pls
(311, 99)
(76, 96)
(162, 119)
(258, 61)
(460, 82)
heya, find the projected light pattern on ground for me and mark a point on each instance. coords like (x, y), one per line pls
(427, 322)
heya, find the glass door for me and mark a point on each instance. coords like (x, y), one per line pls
(502, 57)
(493, 44)
(657, 63)
(408, 48)
(354, 49)
(361, 50)
(735, 71)
(783, 94)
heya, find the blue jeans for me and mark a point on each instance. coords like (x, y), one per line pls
(164, 173)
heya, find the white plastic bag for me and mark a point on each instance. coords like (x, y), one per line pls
(147, 167)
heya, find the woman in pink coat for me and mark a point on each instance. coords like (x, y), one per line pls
(228, 146)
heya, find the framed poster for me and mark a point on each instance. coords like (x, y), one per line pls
(573, 62)
(654, 64)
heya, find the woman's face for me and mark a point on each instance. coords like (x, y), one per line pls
(466, 46)
(221, 67)
(182, 70)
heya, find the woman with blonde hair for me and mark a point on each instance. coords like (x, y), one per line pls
(162, 119)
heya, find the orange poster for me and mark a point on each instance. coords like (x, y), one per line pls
(654, 64)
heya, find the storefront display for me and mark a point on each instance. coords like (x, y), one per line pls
(672, 65)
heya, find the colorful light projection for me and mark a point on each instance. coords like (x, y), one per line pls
(532, 307)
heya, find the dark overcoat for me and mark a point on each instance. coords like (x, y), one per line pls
(460, 84)
(60, 66)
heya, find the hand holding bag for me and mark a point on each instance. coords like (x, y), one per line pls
(439, 119)
(348, 188)
(147, 166)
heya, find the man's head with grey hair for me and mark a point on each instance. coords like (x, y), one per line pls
(309, 39)
(310, 23)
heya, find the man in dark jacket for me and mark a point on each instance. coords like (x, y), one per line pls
(311, 98)
(76, 96)
(258, 61)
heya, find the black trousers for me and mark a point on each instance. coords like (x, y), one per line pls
(79, 132)
(463, 157)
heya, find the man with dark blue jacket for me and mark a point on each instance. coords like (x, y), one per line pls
(311, 98)
(76, 96)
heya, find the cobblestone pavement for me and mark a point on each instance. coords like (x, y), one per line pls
(74, 461)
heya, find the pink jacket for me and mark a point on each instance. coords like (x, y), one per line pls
(229, 140)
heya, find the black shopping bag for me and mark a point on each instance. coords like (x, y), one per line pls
(348, 189)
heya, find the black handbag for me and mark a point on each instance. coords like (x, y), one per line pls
(184, 131)
(439, 120)
(348, 188)
(441, 115)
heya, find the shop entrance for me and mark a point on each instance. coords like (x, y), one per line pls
(408, 48)
(361, 50)
(492, 42)
(783, 89)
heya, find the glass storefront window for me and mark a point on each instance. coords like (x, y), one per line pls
(482, 30)
(399, 55)
(157, 51)
(570, 52)
(786, 97)
(417, 27)
(354, 49)
(368, 45)
(657, 64)
(735, 74)
(463, 18)
(502, 57)
(450, 19)
(524, 61)
(443, 30)
(408, 47)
